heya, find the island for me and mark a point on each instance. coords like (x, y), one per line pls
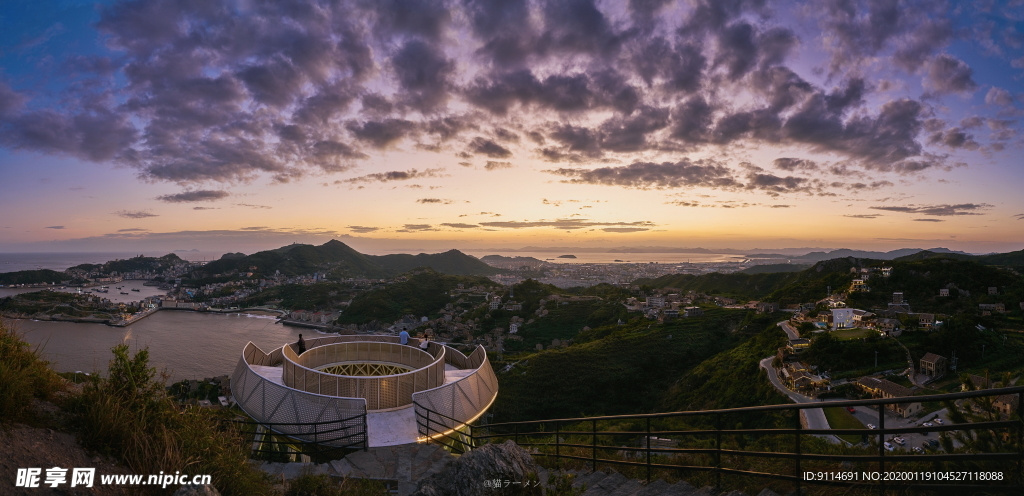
(567, 256)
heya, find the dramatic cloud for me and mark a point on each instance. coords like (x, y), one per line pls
(458, 225)
(564, 224)
(201, 195)
(862, 216)
(999, 97)
(645, 175)
(948, 74)
(483, 146)
(929, 220)
(624, 229)
(492, 165)
(795, 164)
(222, 92)
(362, 229)
(417, 227)
(389, 176)
(940, 210)
(433, 200)
(55, 227)
(132, 229)
(136, 214)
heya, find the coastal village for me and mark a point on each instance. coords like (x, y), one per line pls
(491, 314)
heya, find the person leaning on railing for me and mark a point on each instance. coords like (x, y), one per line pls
(301, 343)
(424, 342)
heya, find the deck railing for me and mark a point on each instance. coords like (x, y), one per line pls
(297, 414)
(459, 402)
(649, 446)
(380, 392)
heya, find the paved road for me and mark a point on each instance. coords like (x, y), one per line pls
(793, 334)
(815, 416)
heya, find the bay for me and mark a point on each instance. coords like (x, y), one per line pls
(188, 345)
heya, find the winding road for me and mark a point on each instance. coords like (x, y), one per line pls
(815, 416)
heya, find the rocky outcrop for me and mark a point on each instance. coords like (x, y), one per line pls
(467, 475)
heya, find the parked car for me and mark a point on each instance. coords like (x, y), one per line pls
(851, 409)
(927, 424)
(938, 421)
(917, 450)
(888, 446)
(899, 440)
(933, 442)
(871, 426)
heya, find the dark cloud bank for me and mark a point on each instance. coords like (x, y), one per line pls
(224, 91)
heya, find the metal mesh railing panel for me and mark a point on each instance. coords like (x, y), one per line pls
(461, 401)
(337, 421)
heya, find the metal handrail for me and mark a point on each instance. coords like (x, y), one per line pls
(469, 437)
(472, 407)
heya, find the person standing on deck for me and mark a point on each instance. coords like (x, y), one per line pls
(301, 344)
(403, 337)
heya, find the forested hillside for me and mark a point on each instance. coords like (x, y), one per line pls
(424, 293)
(338, 260)
(628, 368)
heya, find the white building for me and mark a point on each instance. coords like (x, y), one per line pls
(513, 328)
(842, 318)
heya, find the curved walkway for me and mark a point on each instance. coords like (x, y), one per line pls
(815, 416)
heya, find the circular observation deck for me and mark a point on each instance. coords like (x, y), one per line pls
(369, 389)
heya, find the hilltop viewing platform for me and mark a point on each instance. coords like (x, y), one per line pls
(361, 391)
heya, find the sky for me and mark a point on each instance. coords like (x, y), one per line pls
(417, 125)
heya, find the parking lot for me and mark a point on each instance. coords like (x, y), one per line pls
(870, 416)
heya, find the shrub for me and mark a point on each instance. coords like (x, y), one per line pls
(129, 416)
(23, 376)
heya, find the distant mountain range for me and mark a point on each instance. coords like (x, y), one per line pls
(338, 259)
(805, 254)
(817, 256)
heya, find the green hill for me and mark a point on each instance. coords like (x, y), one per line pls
(450, 262)
(32, 277)
(747, 286)
(771, 268)
(920, 281)
(623, 369)
(730, 379)
(423, 293)
(339, 260)
(144, 263)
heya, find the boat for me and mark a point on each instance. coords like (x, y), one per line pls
(124, 292)
(136, 290)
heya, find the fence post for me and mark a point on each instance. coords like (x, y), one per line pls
(799, 425)
(648, 450)
(1020, 436)
(593, 445)
(516, 431)
(427, 429)
(718, 451)
(881, 445)
(558, 445)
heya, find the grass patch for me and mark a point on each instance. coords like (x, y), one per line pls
(840, 418)
(24, 376)
(855, 333)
